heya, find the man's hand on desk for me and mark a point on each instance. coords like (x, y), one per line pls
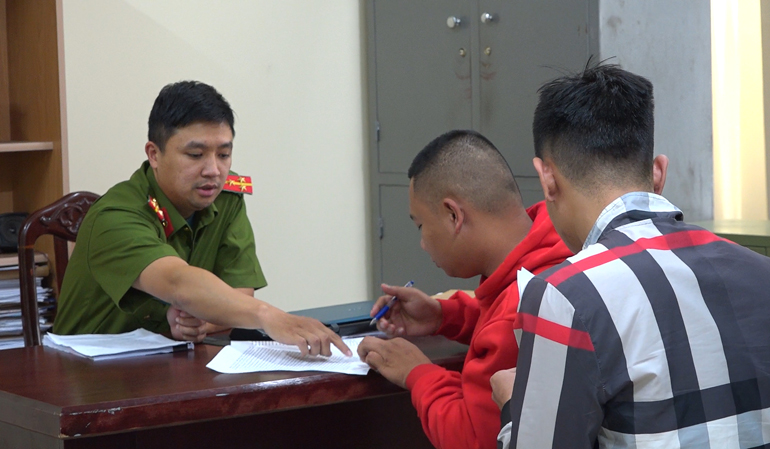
(308, 334)
(414, 314)
(394, 359)
(188, 328)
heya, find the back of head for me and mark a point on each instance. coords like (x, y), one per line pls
(182, 104)
(464, 164)
(598, 127)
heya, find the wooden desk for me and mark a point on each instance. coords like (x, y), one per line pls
(50, 399)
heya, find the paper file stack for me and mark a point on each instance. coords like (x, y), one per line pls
(10, 299)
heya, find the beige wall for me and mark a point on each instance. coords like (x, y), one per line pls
(291, 70)
(740, 186)
(669, 43)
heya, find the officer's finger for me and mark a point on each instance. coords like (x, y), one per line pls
(301, 343)
(189, 321)
(336, 340)
(191, 333)
(314, 344)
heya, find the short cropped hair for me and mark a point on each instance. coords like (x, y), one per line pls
(184, 103)
(597, 126)
(465, 164)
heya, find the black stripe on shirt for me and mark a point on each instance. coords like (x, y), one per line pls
(656, 416)
(673, 333)
(735, 284)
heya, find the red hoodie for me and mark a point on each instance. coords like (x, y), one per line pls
(456, 409)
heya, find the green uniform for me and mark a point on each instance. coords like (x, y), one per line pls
(121, 235)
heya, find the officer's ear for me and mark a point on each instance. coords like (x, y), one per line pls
(153, 152)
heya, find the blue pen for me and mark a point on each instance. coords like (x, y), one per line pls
(385, 309)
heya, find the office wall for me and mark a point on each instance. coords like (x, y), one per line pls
(740, 185)
(668, 41)
(291, 71)
(765, 44)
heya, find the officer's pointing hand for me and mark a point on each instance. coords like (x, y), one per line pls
(308, 334)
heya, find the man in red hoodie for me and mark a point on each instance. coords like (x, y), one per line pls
(465, 201)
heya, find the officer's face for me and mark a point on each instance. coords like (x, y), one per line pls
(193, 168)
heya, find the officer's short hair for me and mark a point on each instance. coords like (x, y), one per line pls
(184, 103)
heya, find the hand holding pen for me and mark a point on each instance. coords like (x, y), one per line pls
(412, 312)
(387, 307)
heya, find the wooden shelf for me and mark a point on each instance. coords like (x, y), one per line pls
(31, 164)
(13, 147)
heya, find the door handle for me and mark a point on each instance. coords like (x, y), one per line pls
(487, 18)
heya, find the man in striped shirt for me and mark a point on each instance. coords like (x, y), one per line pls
(656, 334)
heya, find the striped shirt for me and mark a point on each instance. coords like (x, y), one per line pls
(655, 335)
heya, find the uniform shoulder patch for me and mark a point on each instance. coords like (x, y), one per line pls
(162, 215)
(238, 184)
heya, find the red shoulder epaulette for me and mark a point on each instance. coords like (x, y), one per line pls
(238, 184)
(168, 228)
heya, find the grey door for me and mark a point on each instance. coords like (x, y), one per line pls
(423, 79)
(420, 87)
(522, 44)
(426, 78)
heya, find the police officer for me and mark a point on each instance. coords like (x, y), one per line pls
(172, 249)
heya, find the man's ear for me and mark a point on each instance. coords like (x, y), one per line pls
(547, 180)
(455, 212)
(152, 151)
(659, 170)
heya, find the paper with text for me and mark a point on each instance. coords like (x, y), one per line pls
(257, 356)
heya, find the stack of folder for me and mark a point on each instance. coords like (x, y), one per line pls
(10, 299)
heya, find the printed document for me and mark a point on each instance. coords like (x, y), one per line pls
(258, 356)
(112, 346)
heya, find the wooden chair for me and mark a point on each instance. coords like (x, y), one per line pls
(62, 220)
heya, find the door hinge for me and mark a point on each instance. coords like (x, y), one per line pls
(380, 227)
(377, 130)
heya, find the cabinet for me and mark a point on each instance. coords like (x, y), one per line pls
(31, 174)
(458, 64)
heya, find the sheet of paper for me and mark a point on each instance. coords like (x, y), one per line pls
(105, 346)
(258, 356)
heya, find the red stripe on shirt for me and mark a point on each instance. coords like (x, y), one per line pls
(555, 332)
(666, 242)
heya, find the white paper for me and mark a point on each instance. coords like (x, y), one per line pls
(258, 356)
(106, 346)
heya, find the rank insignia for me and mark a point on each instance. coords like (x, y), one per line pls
(238, 184)
(168, 228)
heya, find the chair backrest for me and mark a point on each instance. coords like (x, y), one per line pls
(60, 219)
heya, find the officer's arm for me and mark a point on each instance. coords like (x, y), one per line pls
(203, 295)
(247, 291)
(213, 328)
